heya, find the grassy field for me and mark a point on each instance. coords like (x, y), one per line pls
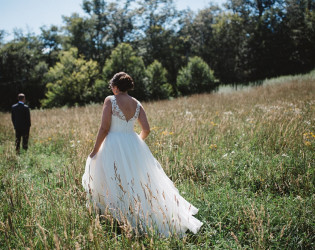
(245, 159)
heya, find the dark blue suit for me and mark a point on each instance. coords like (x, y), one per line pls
(21, 120)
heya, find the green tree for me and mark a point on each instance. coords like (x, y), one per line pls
(123, 58)
(196, 77)
(199, 29)
(229, 48)
(79, 34)
(299, 26)
(157, 24)
(70, 81)
(121, 22)
(272, 37)
(22, 66)
(52, 41)
(157, 84)
(2, 36)
(97, 25)
(108, 25)
(199, 34)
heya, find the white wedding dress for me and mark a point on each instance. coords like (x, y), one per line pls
(125, 179)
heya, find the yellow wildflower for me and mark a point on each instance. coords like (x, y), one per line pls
(307, 143)
(167, 133)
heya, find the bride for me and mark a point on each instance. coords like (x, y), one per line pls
(124, 179)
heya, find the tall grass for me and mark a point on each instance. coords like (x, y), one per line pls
(245, 159)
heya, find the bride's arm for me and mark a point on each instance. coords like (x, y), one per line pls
(144, 124)
(105, 126)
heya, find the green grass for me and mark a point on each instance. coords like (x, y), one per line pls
(245, 159)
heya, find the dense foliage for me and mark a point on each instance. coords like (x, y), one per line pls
(70, 81)
(197, 77)
(123, 58)
(244, 40)
(157, 84)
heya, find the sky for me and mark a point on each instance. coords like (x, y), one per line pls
(30, 15)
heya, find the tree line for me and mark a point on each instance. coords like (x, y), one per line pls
(168, 52)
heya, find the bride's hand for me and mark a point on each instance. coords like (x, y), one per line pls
(92, 154)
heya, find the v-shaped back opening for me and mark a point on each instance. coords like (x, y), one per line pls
(123, 114)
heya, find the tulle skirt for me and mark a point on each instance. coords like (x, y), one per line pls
(126, 180)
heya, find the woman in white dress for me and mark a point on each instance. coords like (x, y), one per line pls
(123, 178)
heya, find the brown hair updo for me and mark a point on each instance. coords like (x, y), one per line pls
(122, 81)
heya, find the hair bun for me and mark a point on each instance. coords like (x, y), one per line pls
(122, 81)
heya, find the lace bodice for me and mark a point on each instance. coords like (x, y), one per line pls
(119, 121)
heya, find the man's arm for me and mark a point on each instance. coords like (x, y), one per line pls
(13, 117)
(29, 116)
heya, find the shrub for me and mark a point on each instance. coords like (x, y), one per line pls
(196, 77)
(101, 90)
(157, 84)
(123, 58)
(70, 81)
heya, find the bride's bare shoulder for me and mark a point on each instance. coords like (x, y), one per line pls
(108, 100)
(135, 100)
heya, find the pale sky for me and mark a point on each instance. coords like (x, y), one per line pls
(30, 15)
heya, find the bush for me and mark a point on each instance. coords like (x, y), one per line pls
(101, 90)
(123, 58)
(196, 77)
(157, 84)
(70, 81)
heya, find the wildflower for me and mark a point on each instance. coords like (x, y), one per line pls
(188, 113)
(308, 138)
(165, 132)
(213, 146)
(225, 155)
(299, 198)
(250, 120)
(213, 124)
(307, 143)
(228, 113)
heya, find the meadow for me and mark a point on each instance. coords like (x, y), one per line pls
(246, 159)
